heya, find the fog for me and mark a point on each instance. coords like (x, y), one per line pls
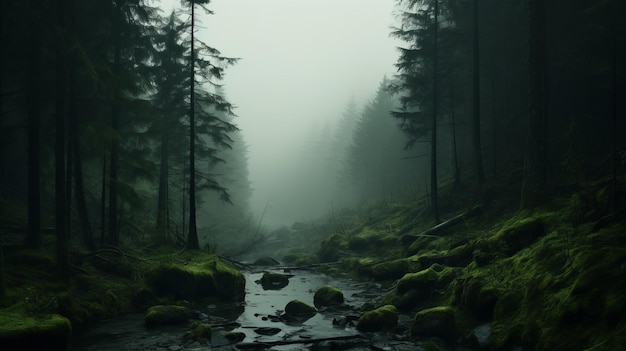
(301, 63)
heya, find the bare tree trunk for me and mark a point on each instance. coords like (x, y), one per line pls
(34, 121)
(162, 224)
(192, 238)
(103, 197)
(114, 238)
(62, 251)
(535, 162)
(433, 143)
(480, 174)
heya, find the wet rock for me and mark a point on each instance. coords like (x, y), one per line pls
(384, 318)
(162, 315)
(327, 296)
(344, 322)
(297, 310)
(197, 280)
(265, 261)
(416, 287)
(234, 337)
(437, 322)
(267, 331)
(19, 332)
(274, 281)
(199, 332)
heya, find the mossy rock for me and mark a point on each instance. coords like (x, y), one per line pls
(475, 297)
(390, 270)
(330, 248)
(327, 296)
(297, 310)
(416, 287)
(164, 315)
(435, 322)
(198, 280)
(199, 332)
(46, 332)
(299, 259)
(234, 337)
(274, 281)
(521, 234)
(384, 318)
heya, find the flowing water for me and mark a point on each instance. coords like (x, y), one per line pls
(260, 310)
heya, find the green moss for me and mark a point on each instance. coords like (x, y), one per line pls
(203, 277)
(384, 318)
(159, 315)
(436, 321)
(331, 248)
(298, 311)
(49, 332)
(199, 332)
(414, 289)
(327, 296)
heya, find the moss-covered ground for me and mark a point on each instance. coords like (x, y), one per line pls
(104, 284)
(548, 278)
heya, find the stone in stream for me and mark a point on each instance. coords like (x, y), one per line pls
(298, 311)
(267, 331)
(161, 315)
(274, 281)
(384, 318)
(327, 296)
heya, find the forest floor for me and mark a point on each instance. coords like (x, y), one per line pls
(548, 278)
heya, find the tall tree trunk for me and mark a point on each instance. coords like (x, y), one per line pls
(103, 199)
(163, 201)
(114, 238)
(614, 112)
(494, 129)
(34, 121)
(62, 250)
(535, 161)
(192, 238)
(480, 174)
(434, 198)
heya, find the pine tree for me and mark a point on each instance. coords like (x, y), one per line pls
(206, 63)
(418, 67)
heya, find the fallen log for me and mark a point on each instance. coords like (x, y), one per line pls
(408, 239)
(268, 344)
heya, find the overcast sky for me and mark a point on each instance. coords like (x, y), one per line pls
(301, 61)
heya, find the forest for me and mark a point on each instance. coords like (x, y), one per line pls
(482, 186)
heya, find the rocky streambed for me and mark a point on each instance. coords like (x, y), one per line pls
(260, 322)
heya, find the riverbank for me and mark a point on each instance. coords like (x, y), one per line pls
(101, 285)
(547, 278)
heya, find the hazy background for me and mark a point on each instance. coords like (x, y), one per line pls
(301, 62)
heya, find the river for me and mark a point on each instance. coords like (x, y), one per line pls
(259, 310)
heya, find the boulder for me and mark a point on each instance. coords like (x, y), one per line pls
(384, 318)
(274, 281)
(164, 315)
(199, 332)
(414, 288)
(47, 332)
(198, 280)
(327, 296)
(297, 310)
(434, 322)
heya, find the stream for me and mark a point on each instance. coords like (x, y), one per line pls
(257, 318)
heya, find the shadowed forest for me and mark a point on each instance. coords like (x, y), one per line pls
(481, 190)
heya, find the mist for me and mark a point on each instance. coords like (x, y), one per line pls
(301, 64)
